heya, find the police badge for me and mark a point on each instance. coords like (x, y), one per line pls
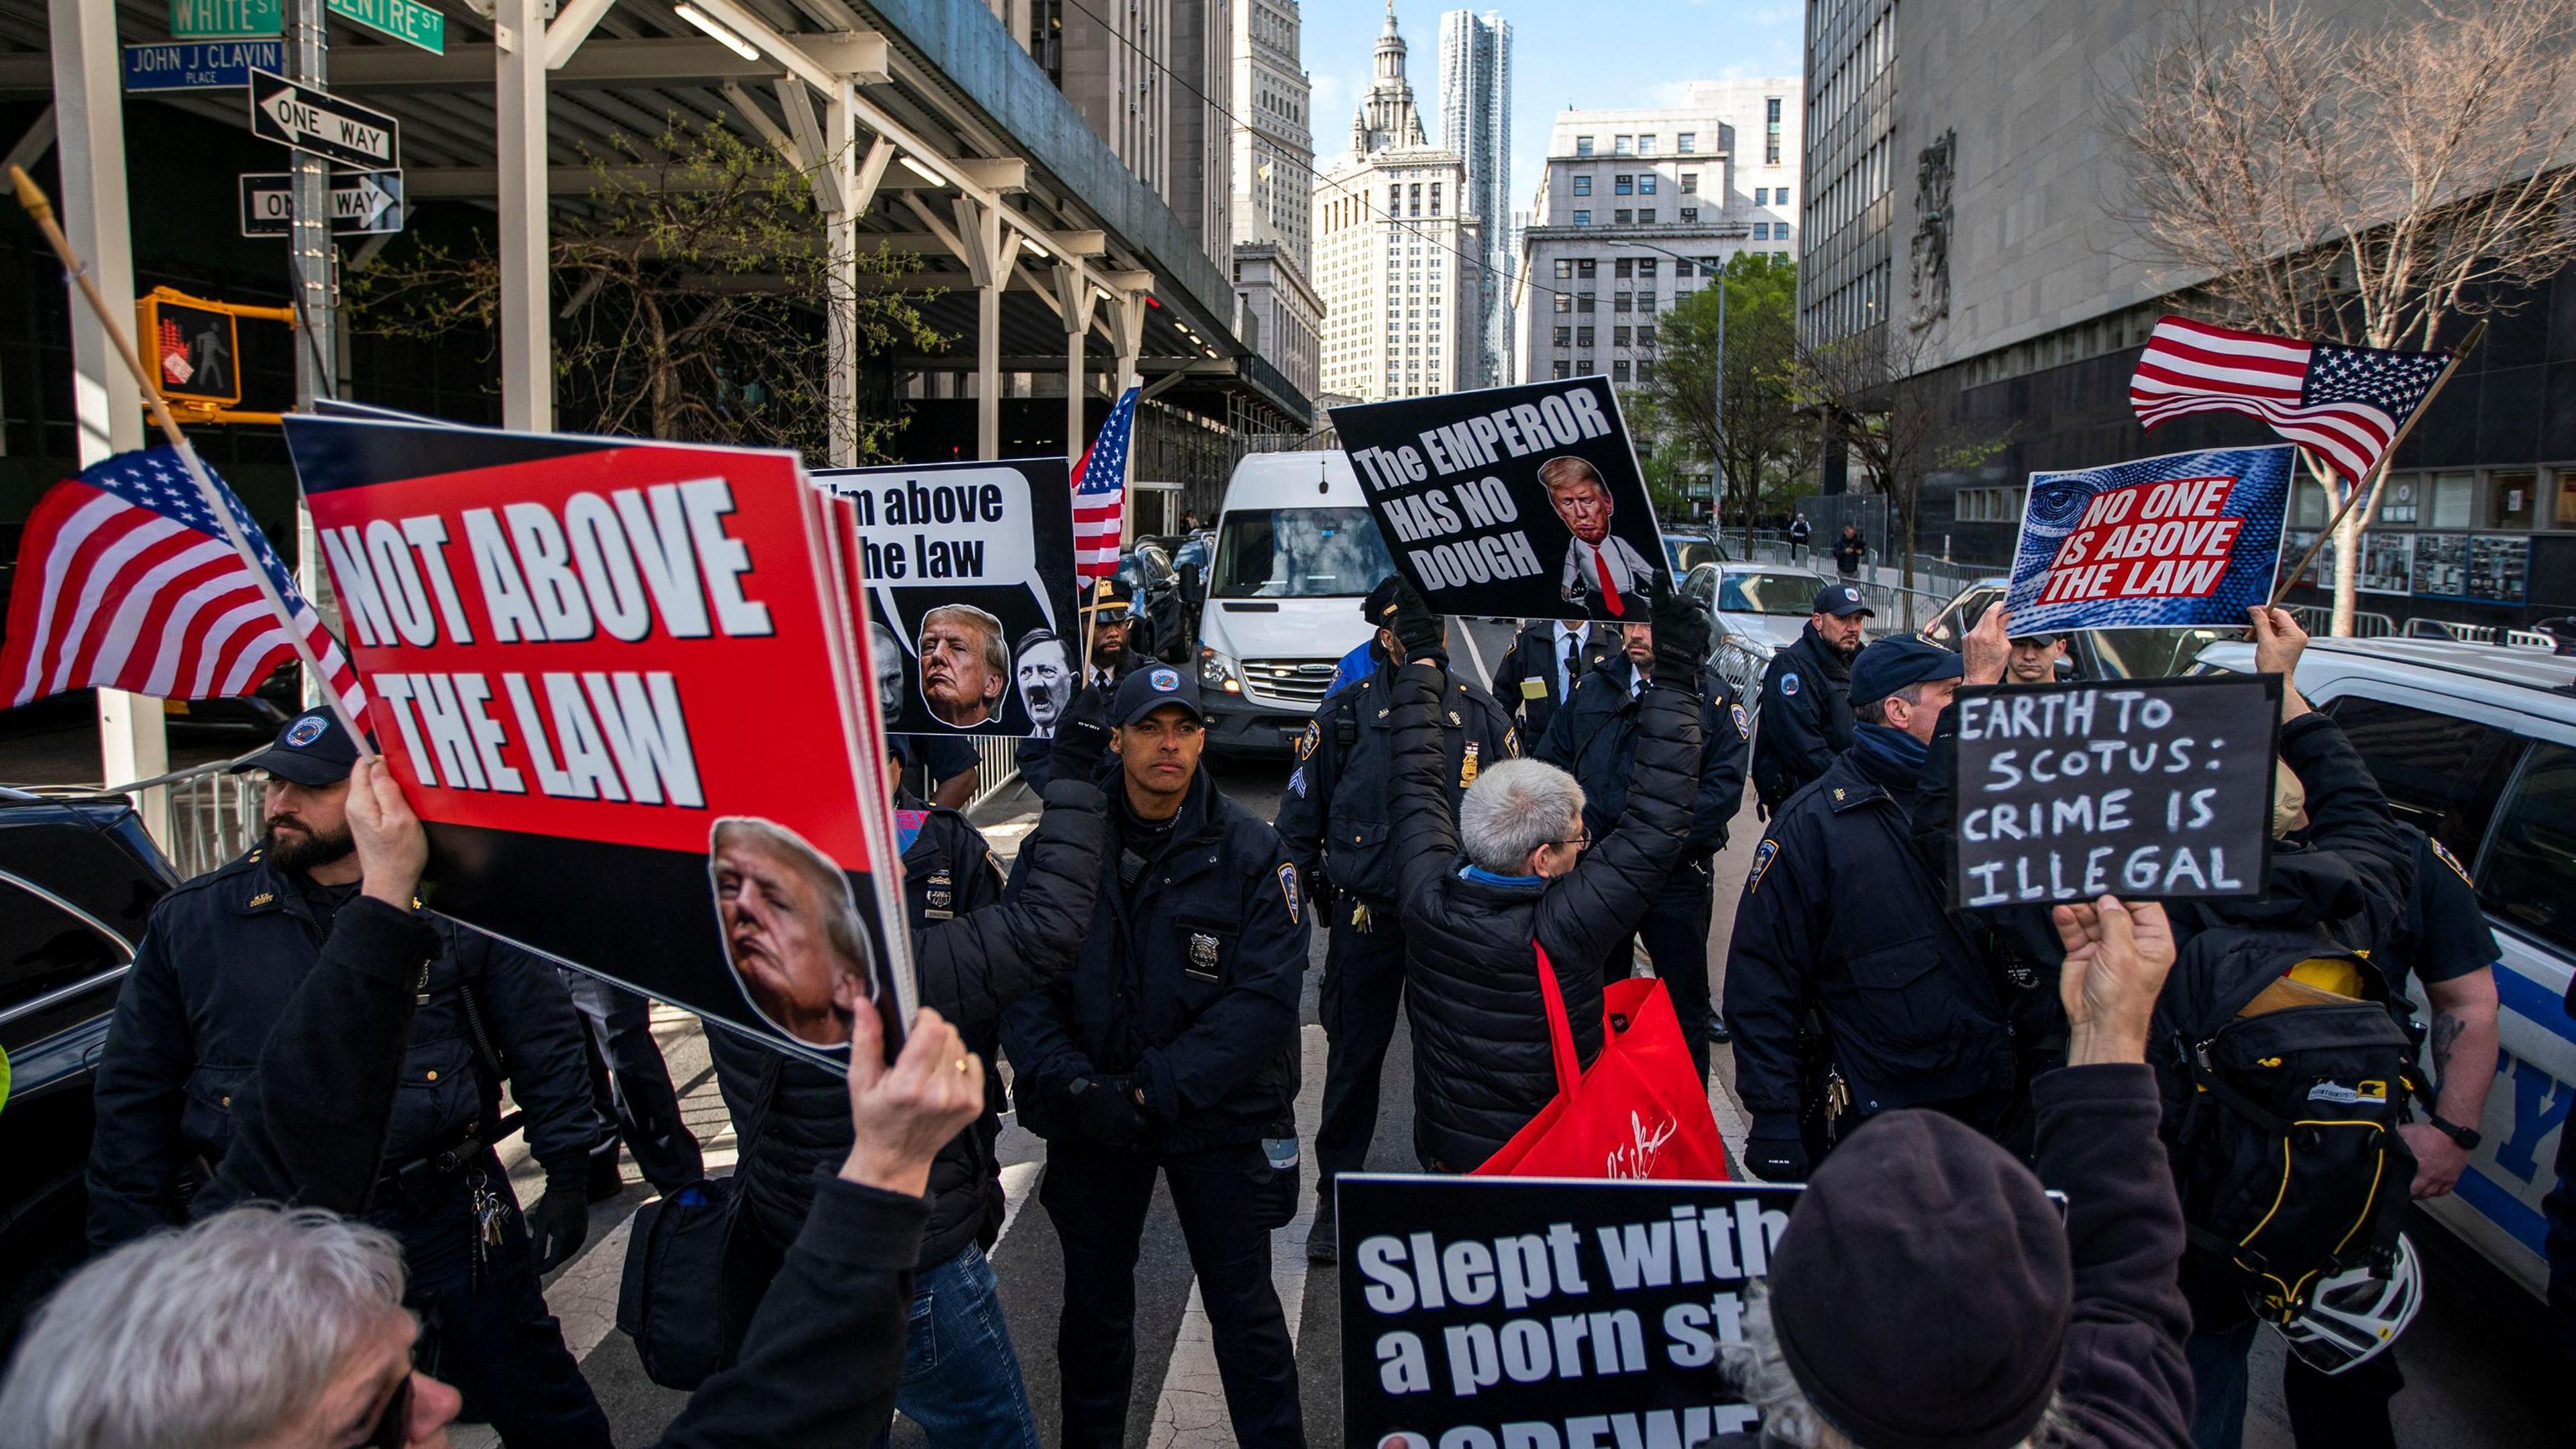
(940, 894)
(1203, 956)
(1467, 767)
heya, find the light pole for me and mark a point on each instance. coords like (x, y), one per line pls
(1717, 448)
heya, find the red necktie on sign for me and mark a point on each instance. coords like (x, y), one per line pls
(1609, 590)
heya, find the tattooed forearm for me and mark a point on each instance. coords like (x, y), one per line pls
(2447, 1030)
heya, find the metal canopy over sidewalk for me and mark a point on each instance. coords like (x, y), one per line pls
(929, 130)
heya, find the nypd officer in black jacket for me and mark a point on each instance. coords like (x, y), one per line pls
(1594, 739)
(1843, 919)
(1548, 658)
(1806, 699)
(222, 956)
(1171, 1047)
(1334, 819)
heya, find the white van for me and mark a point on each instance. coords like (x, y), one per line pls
(1296, 551)
(2476, 745)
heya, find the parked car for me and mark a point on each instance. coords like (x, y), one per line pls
(78, 878)
(2090, 653)
(1687, 548)
(1765, 605)
(2476, 745)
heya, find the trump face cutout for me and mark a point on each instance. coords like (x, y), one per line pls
(791, 930)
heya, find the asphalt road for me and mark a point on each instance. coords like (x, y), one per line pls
(2472, 1379)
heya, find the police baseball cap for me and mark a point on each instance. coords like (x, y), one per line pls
(1146, 690)
(1891, 664)
(311, 750)
(1379, 607)
(1842, 601)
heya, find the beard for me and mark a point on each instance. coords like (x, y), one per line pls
(297, 850)
(1847, 648)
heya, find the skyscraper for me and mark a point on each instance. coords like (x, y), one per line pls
(1399, 259)
(1476, 123)
(1274, 151)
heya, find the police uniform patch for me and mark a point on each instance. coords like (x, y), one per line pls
(940, 895)
(1164, 680)
(1297, 782)
(1309, 737)
(1743, 721)
(1203, 954)
(1467, 767)
(1789, 682)
(1763, 855)
(2443, 853)
(1288, 891)
(1533, 689)
(304, 732)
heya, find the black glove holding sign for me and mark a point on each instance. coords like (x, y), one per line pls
(1775, 1152)
(1681, 637)
(1081, 738)
(1420, 631)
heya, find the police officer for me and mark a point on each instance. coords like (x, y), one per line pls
(222, 955)
(1548, 658)
(1806, 699)
(1171, 1047)
(1843, 920)
(1594, 738)
(630, 1090)
(1800, 530)
(2035, 659)
(1334, 820)
(1107, 661)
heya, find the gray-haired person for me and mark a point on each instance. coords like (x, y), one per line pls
(265, 1326)
(1512, 870)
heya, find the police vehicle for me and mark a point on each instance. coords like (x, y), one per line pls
(2476, 745)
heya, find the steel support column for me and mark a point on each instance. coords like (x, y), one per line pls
(519, 135)
(841, 327)
(90, 139)
(1074, 299)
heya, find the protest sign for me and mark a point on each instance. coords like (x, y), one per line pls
(2148, 789)
(1514, 502)
(617, 682)
(2188, 538)
(967, 570)
(1510, 1313)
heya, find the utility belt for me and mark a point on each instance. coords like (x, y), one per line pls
(413, 1184)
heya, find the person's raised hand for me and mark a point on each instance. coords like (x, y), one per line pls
(1081, 737)
(1986, 649)
(1422, 633)
(901, 1115)
(2116, 959)
(2278, 643)
(392, 848)
(1681, 635)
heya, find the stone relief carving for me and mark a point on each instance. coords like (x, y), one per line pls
(1930, 247)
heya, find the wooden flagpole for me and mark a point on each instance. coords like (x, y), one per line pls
(2369, 485)
(32, 197)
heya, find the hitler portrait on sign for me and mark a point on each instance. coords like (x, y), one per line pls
(791, 931)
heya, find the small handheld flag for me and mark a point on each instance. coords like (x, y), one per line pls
(2349, 404)
(1100, 493)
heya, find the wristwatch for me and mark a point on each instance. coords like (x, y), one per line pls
(2467, 1137)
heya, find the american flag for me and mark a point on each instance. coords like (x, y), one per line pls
(125, 581)
(2347, 403)
(1100, 493)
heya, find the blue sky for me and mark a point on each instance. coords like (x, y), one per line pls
(1583, 53)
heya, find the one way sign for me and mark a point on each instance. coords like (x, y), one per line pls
(362, 203)
(312, 120)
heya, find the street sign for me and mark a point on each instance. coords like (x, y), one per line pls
(199, 65)
(408, 21)
(225, 19)
(314, 121)
(363, 203)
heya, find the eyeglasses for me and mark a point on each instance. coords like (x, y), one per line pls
(393, 1426)
(1580, 840)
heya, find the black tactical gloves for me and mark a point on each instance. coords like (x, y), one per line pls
(1775, 1152)
(1419, 630)
(1081, 738)
(560, 1222)
(1105, 1110)
(1681, 637)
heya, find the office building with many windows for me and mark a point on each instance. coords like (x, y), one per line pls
(1476, 123)
(1634, 210)
(1398, 256)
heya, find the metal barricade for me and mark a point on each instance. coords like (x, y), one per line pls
(214, 816)
(996, 766)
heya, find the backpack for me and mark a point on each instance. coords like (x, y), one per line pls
(2281, 1125)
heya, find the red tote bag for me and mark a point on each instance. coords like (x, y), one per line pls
(1641, 1112)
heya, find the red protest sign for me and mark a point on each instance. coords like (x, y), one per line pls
(619, 683)
(2164, 540)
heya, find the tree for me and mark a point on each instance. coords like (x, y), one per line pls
(1893, 419)
(693, 289)
(2362, 186)
(1765, 443)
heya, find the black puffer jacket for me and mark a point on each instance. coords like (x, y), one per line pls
(1481, 1061)
(985, 953)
